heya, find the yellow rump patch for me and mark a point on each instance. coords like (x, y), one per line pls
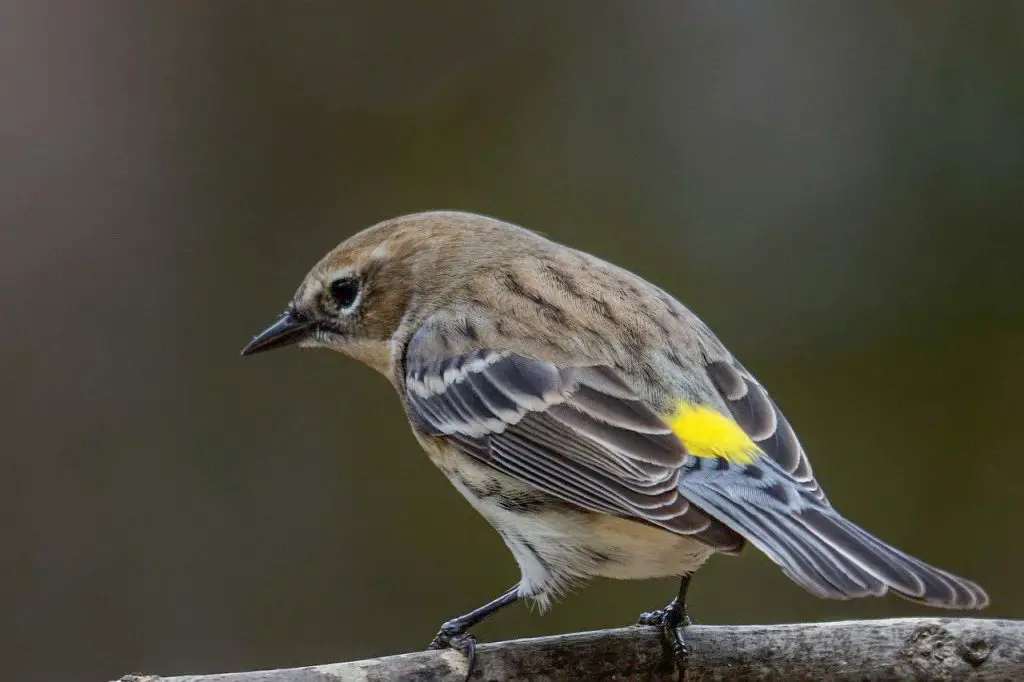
(708, 433)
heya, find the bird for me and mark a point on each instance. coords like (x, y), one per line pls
(591, 418)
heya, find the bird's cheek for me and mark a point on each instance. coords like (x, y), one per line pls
(375, 354)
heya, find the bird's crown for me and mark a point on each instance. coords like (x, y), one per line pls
(357, 295)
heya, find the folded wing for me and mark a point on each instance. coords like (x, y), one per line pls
(581, 434)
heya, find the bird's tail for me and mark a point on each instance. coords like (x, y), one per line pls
(821, 550)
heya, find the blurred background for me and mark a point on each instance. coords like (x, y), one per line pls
(838, 189)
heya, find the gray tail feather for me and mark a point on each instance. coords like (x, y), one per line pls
(832, 557)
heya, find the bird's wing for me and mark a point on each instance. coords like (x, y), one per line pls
(579, 434)
(791, 520)
(760, 418)
(582, 434)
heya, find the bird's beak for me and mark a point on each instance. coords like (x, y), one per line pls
(288, 329)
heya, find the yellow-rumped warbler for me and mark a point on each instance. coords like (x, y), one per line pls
(592, 419)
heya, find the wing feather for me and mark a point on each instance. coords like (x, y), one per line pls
(759, 416)
(817, 548)
(582, 435)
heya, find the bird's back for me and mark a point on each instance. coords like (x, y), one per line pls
(563, 305)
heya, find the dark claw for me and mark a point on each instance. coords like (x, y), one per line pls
(451, 636)
(444, 636)
(655, 617)
(670, 624)
(670, 619)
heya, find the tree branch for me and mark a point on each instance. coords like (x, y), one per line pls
(936, 649)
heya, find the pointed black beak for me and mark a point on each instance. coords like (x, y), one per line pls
(288, 329)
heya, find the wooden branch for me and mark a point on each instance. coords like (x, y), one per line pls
(925, 649)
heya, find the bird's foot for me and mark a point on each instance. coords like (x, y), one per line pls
(453, 635)
(657, 617)
(670, 619)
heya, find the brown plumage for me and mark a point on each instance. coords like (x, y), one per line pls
(595, 421)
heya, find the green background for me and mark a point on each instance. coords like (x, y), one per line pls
(837, 189)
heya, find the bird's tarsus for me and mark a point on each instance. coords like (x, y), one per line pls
(453, 634)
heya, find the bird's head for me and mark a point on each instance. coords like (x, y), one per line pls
(376, 282)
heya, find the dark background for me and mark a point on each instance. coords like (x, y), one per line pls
(835, 188)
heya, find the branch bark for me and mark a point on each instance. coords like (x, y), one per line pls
(936, 649)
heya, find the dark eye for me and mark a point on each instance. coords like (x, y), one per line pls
(344, 291)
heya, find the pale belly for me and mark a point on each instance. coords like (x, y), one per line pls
(557, 545)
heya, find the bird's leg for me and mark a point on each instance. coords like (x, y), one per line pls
(671, 618)
(453, 633)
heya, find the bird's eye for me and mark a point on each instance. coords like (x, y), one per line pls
(344, 292)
